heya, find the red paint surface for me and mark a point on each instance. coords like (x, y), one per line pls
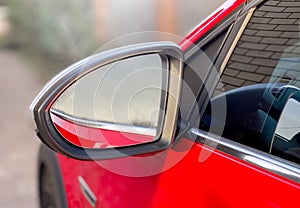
(210, 22)
(94, 137)
(219, 181)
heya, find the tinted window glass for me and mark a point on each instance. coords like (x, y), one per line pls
(262, 74)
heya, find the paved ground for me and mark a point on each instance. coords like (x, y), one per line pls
(18, 144)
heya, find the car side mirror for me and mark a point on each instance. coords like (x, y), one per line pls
(113, 104)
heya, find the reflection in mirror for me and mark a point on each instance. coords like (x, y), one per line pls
(118, 104)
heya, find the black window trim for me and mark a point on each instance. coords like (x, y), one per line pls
(233, 26)
(233, 38)
(215, 31)
(226, 25)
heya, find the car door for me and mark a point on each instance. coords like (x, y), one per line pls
(237, 136)
(234, 158)
(239, 78)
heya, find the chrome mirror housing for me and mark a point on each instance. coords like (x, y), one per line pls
(113, 104)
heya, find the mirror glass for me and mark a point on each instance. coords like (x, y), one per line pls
(118, 104)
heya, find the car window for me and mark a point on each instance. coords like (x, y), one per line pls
(259, 80)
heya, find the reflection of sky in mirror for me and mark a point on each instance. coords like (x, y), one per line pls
(125, 92)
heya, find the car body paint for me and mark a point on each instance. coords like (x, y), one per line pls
(211, 21)
(220, 181)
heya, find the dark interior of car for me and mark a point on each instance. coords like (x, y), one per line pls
(252, 114)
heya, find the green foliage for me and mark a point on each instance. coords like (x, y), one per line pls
(58, 29)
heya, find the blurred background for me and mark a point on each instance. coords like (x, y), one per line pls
(38, 38)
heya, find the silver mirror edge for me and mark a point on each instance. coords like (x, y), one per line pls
(105, 125)
(41, 105)
(84, 66)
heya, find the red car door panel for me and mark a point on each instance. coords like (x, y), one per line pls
(188, 174)
(219, 181)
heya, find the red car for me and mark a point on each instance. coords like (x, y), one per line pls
(213, 122)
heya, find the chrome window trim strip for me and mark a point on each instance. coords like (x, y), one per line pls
(106, 125)
(258, 158)
(87, 192)
(236, 39)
